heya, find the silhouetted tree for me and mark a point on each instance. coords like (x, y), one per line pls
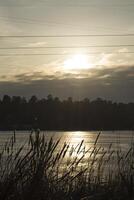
(53, 114)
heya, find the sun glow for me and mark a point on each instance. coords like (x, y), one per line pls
(77, 62)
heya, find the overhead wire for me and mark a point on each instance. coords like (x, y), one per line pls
(68, 47)
(52, 23)
(62, 54)
(62, 36)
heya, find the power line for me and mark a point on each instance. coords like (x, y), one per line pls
(53, 23)
(64, 47)
(77, 4)
(60, 54)
(62, 36)
(64, 4)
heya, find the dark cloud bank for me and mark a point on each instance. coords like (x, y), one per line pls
(114, 84)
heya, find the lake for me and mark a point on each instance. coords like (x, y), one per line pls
(108, 144)
(119, 139)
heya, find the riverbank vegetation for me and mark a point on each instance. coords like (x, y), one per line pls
(49, 170)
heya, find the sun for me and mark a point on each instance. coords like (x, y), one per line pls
(78, 62)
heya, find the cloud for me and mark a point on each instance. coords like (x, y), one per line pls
(107, 83)
(92, 74)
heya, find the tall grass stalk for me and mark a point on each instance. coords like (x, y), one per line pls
(40, 170)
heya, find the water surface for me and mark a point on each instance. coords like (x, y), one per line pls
(118, 139)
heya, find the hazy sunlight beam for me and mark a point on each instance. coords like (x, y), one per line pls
(77, 62)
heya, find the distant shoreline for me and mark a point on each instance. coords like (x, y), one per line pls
(66, 130)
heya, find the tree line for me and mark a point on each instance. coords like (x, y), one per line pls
(51, 113)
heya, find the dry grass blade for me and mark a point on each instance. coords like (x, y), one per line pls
(45, 171)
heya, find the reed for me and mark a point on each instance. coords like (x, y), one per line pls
(40, 170)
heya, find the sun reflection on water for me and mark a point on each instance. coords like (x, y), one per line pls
(80, 144)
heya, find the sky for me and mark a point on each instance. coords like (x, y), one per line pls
(100, 66)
